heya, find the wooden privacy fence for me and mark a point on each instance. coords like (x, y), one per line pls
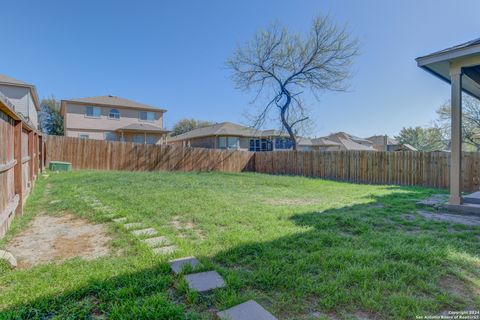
(107, 155)
(21, 160)
(428, 169)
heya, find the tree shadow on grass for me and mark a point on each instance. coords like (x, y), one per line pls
(138, 295)
(366, 260)
(380, 260)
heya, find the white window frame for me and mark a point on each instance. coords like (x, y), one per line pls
(146, 117)
(84, 136)
(115, 113)
(93, 112)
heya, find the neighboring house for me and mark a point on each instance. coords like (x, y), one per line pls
(227, 135)
(317, 144)
(350, 142)
(23, 96)
(386, 143)
(114, 119)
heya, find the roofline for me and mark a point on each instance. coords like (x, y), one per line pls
(111, 105)
(31, 87)
(447, 55)
(222, 135)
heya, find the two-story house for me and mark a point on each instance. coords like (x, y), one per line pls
(114, 119)
(23, 96)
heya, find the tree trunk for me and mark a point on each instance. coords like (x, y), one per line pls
(284, 120)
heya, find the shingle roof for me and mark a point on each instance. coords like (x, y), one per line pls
(6, 79)
(464, 45)
(141, 127)
(324, 142)
(352, 145)
(115, 101)
(227, 129)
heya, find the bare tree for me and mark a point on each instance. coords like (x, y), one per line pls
(470, 121)
(281, 65)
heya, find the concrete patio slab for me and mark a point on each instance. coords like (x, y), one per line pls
(119, 220)
(164, 250)
(205, 281)
(156, 242)
(246, 311)
(133, 225)
(467, 220)
(473, 198)
(145, 232)
(177, 265)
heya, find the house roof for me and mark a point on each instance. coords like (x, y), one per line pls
(114, 101)
(324, 142)
(352, 145)
(347, 136)
(9, 81)
(226, 129)
(379, 139)
(438, 63)
(141, 127)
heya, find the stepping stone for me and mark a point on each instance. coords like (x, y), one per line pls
(164, 250)
(246, 311)
(55, 201)
(156, 242)
(7, 256)
(177, 265)
(119, 220)
(133, 225)
(205, 281)
(145, 232)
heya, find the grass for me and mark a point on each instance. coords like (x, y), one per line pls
(295, 245)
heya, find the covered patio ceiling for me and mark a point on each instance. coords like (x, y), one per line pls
(439, 63)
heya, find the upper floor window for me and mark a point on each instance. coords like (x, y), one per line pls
(146, 115)
(283, 143)
(83, 136)
(114, 114)
(94, 112)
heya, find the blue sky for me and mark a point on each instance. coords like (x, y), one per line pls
(171, 54)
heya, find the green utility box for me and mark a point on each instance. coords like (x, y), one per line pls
(60, 166)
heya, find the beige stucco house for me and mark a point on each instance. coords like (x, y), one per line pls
(114, 119)
(23, 96)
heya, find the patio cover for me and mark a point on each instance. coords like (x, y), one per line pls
(459, 66)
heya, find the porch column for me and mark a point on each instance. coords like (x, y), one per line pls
(456, 138)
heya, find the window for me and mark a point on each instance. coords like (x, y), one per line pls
(283, 143)
(228, 142)
(93, 112)
(139, 138)
(83, 136)
(146, 116)
(151, 139)
(260, 145)
(222, 142)
(111, 136)
(114, 114)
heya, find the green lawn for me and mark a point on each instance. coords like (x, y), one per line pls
(295, 245)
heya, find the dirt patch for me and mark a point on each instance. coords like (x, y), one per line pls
(292, 202)
(186, 228)
(56, 239)
(459, 288)
(452, 218)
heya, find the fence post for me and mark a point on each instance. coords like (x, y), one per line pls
(30, 155)
(17, 171)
